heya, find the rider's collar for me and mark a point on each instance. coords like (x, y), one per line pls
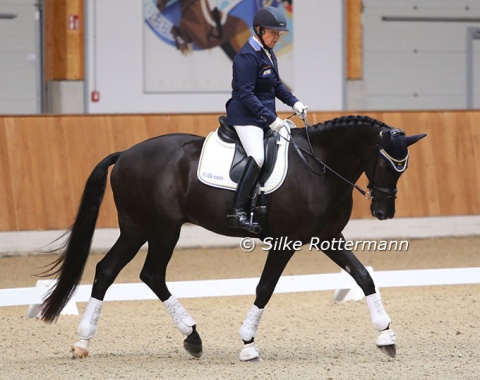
(255, 44)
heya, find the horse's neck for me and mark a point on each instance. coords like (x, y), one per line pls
(343, 147)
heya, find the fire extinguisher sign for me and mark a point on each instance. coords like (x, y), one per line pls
(95, 96)
(73, 22)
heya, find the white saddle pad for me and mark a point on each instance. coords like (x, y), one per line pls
(217, 156)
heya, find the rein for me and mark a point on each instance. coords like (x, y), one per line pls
(300, 151)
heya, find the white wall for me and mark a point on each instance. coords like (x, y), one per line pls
(319, 60)
(407, 65)
(18, 58)
(419, 64)
(114, 64)
(476, 72)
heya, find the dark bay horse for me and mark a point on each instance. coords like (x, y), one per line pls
(156, 191)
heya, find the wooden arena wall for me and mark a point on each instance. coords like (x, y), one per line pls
(45, 160)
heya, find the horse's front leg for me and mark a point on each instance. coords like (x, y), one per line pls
(346, 259)
(274, 266)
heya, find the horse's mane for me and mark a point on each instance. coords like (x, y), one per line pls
(351, 120)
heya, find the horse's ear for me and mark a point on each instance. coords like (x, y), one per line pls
(384, 138)
(413, 139)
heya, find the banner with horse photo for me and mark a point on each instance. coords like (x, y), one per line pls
(189, 45)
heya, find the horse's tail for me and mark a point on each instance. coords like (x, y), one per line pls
(68, 268)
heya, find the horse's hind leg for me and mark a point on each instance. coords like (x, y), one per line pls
(123, 251)
(345, 259)
(160, 250)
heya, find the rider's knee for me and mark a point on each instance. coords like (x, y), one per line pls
(259, 160)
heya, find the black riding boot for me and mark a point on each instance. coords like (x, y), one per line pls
(246, 184)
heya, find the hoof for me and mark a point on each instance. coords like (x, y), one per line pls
(258, 359)
(79, 352)
(193, 344)
(193, 349)
(386, 340)
(390, 350)
(250, 353)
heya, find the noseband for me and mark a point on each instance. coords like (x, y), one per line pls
(381, 193)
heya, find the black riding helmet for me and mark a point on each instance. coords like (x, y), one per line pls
(270, 18)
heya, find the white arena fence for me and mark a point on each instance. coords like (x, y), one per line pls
(246, 286)
(343, 285)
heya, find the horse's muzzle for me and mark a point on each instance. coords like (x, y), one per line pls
(382, 213)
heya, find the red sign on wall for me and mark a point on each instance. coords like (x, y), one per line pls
(73, 22)
(95, 96)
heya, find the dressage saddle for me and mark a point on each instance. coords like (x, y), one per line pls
(228, 134)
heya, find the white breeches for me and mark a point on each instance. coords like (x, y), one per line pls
(252, 141)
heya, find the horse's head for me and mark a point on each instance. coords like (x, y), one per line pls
(385, 167)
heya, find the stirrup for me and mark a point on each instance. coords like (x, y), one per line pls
(240, 220)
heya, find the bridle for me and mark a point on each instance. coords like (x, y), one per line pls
(398, 166)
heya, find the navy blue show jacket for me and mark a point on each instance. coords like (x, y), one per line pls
(255, 85)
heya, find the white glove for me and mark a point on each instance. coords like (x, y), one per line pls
(277, 124)
(300, 109)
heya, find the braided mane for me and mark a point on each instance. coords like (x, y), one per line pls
(351, 120)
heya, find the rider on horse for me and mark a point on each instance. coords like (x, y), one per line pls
(251, 109)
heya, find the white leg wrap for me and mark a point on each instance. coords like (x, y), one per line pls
(87, 328)
(250, 324)
(378, 315)
(179, 315)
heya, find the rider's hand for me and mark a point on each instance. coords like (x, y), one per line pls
(300, 109)
(277, 124)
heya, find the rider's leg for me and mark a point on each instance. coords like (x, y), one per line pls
(251, 138)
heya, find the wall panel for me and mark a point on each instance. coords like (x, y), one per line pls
(415, 53)
(19, 59)
(45, 161)
(64, 40)
(354, 39)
